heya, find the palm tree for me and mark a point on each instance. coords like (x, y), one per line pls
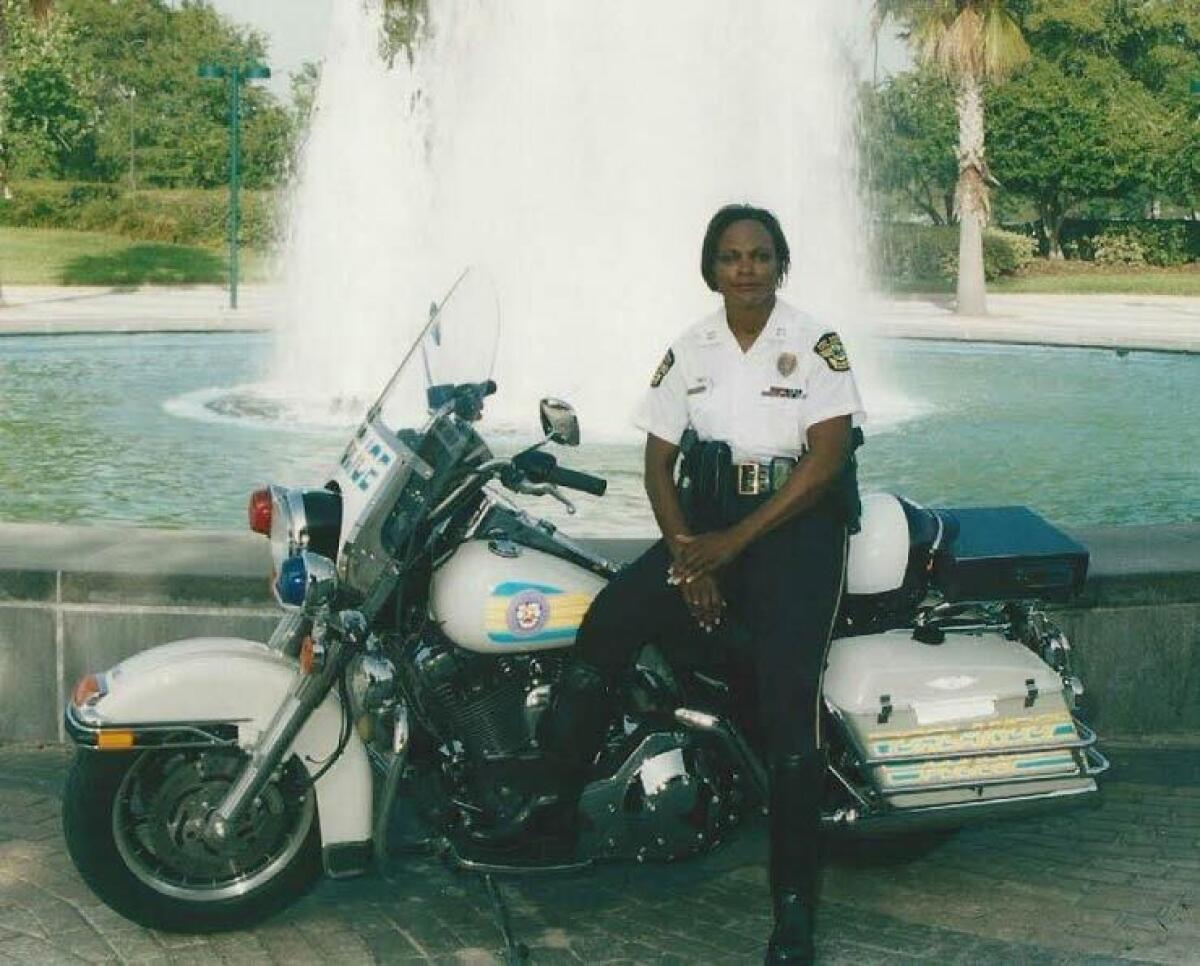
(971, 42)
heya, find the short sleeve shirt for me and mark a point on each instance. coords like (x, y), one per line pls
(760, 402)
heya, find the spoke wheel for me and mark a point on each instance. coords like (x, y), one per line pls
(159, 816)
(134, 828)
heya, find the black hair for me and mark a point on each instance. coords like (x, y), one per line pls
(727, 216)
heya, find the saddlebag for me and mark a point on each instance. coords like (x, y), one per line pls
(1006, 553)
(975, 718)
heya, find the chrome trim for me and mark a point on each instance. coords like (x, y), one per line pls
(85, 731)
(297, 532)
(450, 851)
(900, 819)
(849, 787)
(286, 637)
(735, 745)
(320, 580)
(1101, 765)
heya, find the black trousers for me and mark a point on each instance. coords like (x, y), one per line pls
(784, 589)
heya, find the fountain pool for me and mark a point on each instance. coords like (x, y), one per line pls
(137, 429)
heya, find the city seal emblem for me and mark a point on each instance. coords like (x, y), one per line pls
(786, 363)
(527, 612)
(829, 347)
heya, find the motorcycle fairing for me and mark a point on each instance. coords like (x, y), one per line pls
(202, 682)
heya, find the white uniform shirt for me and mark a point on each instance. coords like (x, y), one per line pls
(760, 402)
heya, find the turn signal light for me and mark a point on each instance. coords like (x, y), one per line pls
(312, 655)
(89, 690)
(114, 740)
(259, 512)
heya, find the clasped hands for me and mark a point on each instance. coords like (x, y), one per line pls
(694, 571)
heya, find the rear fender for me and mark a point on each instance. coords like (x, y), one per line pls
(230, 688)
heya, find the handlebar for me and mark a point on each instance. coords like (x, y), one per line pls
(574, 480)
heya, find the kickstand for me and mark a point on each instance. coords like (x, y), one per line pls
(515, 953)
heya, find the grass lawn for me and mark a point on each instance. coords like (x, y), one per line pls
(1078, 278)
(47, 256)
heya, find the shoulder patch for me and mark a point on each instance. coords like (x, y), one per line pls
(829, 347)
(663, 368)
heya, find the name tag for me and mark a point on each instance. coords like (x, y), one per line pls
(784, 392)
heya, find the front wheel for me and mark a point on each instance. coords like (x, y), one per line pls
(133, 823)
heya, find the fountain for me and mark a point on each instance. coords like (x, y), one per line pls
(574, 152)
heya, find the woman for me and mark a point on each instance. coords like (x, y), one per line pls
(763, 536)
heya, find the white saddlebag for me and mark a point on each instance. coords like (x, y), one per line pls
(975, 718)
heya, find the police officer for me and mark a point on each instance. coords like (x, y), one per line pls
(769, 395)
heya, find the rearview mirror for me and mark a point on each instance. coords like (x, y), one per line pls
(559, 422)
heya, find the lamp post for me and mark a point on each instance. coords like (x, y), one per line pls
(129, 93)
(236, 75)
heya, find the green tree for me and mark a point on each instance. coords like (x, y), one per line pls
(46, 117)
(116, 82)
(971, 42)
(1142, 55)
(908, 143)
(1063, 138)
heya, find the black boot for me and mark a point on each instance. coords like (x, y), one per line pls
(796, 782)
(574, 726)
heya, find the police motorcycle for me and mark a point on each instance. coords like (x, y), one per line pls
(427, 621)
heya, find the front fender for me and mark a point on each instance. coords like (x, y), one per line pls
(235, 684)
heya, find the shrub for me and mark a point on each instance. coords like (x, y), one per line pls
(1118, 248)
(923, 253)
(185, 217)
(1163, 242)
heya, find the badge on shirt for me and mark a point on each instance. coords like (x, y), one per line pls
(663, 368)
(829, 347)
(786, 363)
(784, 392)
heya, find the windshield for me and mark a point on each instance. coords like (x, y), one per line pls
(456, 344)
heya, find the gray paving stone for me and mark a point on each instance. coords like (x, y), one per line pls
(1118, 884)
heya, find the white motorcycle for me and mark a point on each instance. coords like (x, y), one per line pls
(427, 622)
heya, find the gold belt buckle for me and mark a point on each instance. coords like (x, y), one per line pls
(748, 479)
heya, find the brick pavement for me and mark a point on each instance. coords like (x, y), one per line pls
(1117, 884)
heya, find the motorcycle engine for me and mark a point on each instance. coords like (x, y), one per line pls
(490, 705)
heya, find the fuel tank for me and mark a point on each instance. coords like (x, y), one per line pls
(497, 597)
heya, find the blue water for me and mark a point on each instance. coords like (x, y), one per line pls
(1083, 436)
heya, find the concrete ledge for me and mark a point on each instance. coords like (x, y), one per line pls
(77, 599)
